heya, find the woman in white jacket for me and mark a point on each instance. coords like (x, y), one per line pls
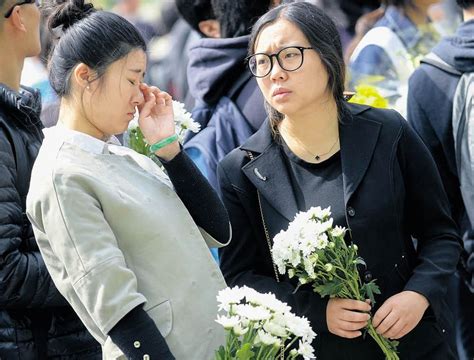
(124, 245)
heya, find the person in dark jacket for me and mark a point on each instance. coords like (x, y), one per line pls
(216, 64)
(200, 16)
(35, 320)
(368, 165)
(430, 106)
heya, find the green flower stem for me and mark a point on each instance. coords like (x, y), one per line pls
(290, 343)
(228, 347)
(250, 334)
(383, 343)
(271, 355)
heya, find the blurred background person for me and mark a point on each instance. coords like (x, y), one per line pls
(432, 94)
(168, 70)
(389, 53)
(36, 322)
(216, 72)
(129, 9)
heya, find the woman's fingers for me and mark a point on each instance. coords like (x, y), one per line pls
(346, 317)
(162, 97)
(387, 323)
(349, 334)
(354, 305)
(403, 331)
(353, 316)
(147, 107)
(394, 330)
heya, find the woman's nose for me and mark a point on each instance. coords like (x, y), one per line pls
(138, 98)
(277, 72)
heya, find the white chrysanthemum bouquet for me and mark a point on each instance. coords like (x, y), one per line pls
(316, 253)
(183, 122)
(259, 326)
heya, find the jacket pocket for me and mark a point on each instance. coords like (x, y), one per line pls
(403, 269)
(162, 315)
(397, 278)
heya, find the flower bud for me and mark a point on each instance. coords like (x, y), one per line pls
(328, 267)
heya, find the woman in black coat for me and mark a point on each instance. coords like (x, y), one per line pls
(368, 165)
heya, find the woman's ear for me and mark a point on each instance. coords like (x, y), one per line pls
(17, 19)
(82, 76)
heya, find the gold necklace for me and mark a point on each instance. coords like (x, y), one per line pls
(317, 157)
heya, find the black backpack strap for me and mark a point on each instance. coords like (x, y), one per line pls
(434, 60)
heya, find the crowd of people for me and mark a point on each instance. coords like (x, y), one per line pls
(106, 253)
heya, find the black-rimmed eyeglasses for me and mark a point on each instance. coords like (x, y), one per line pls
(290, 59)
(9, 12)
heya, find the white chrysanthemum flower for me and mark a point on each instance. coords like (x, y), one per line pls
(183, 120)
(315, 213)
(253, 313)
(240, 329)
(228, 322)
(266, 339)
(318, 213)
(338, 231)
(314, 258)
(275, 329)
(306, 350)
(309, 268)
(191, 125)
(301, 218)
(308, 246)
(326, 212)
(249, 292)
(295, 259)
(308, 235)
(229, 296)
(300, 327)
(269, 301)
(282, 250)
(327, 225)
(322, 242)
(280, 318)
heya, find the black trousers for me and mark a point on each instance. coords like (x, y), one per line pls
(425, 342)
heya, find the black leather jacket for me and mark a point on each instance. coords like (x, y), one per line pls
(35, 320)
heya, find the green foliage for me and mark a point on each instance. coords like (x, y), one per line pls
(137, 141)
(245, 352)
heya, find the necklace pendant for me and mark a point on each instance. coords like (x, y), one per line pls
(317, 157)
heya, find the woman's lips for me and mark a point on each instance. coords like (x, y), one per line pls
(280, 93)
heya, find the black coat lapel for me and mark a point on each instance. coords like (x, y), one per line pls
(268, 173)
(358, 138)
